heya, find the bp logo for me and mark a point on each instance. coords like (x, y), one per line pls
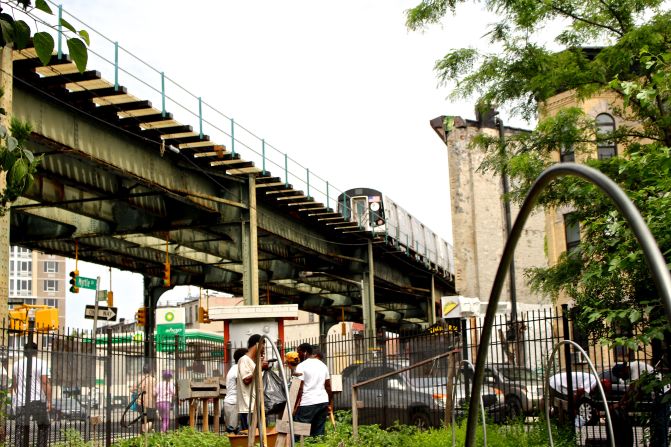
(169, 316)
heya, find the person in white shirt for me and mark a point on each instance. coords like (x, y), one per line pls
(315, 398)
(246, 367)
(35, 402)
(231, 399)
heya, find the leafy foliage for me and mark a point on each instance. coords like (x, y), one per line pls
(186, 437)
(616, 49)
(19, 163)
(18, 33)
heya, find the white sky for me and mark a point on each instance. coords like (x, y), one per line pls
(342, 87)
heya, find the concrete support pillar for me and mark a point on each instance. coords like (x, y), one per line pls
(250, 255)
(369, 295)
(152, 292)
(431, 305)
(6, 73)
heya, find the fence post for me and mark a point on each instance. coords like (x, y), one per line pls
(465, 356)
(108, 394)
(385, 388)
(176, 379)
(567, 361)
(29, 353)
(355, 413)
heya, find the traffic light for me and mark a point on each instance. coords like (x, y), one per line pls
(73, 281)
(203, 315)
(166, 275)
(141, 316)
(110, 298)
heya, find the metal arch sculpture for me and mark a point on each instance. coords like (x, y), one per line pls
(653, 257)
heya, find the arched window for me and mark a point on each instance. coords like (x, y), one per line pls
(605, 125)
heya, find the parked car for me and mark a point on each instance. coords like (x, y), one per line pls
(68, 408)
(411, 401)
(521, 386)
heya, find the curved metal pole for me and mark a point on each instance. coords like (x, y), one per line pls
(284, 385)
(482, 408)
(653, 257)
(546, 391)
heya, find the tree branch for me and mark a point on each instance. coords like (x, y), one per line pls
(582, 19)
(614, 13)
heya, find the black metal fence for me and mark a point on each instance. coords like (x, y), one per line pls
(90, 380)
(514, 376)
(86, 384)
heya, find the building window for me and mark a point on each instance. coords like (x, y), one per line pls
(567, 154)
(24, 267)
(51, 302)
(51, 285)
(311, 317)
(24, 286)
(50, 267)
(571, 231)
(31, 301)
(11, 287)
(605, 125)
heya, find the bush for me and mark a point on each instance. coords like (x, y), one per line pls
(513, 435)
(186, 437)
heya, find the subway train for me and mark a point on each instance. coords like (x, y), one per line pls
(380, 215)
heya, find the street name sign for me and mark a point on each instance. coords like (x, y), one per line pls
(104, 313)
(86, 283)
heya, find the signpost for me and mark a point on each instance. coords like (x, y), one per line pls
(103, 313)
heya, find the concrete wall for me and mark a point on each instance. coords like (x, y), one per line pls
(478, 222)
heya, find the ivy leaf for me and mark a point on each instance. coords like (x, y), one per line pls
(12, 143)
(78, 53)
(21, 34)
(3, 131)
(85, 35)
(44, 46)
(43, 6)
(29, 155)
(68, 26)
(7, 30)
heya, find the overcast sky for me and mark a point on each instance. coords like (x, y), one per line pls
(342, 87)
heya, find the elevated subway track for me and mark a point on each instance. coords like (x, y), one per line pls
(110, 181)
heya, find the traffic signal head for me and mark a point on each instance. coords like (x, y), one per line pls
(141, 316)
(206, 316)
(73, 281)
(201, 314)
(166, 275)
(110, 298)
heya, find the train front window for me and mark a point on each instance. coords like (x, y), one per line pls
(359, 209)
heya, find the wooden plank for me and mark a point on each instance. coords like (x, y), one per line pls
(310, 202)
(115, 99)
(300, 428)
(299, 195)
(330, 218)
(206, 415)
(159, 124)
(316, 207)
(268, 185)
(139, 112)
(196, 144)
(175, 136)
(215, 154)
(280, 191)
(93, 84)
(353, 224)
(57, 70)
(249, 170)
(25, 53)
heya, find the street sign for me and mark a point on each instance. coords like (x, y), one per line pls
(86, 283)
(102, 295)
(104, 313)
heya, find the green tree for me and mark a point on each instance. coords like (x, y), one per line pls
(624, 47)
(16, 161)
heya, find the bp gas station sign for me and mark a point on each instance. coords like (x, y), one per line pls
(170, 321)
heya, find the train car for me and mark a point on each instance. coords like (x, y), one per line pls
(377, 213)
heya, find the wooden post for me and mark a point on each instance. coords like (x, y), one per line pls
(451, 372)
(217, 416)
(206, 415)
(355, 413)
(193, 407)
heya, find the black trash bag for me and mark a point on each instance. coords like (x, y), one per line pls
(273, 393)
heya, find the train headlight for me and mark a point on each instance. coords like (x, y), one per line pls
(374, 206)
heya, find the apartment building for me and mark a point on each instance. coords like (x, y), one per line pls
(38, 278)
